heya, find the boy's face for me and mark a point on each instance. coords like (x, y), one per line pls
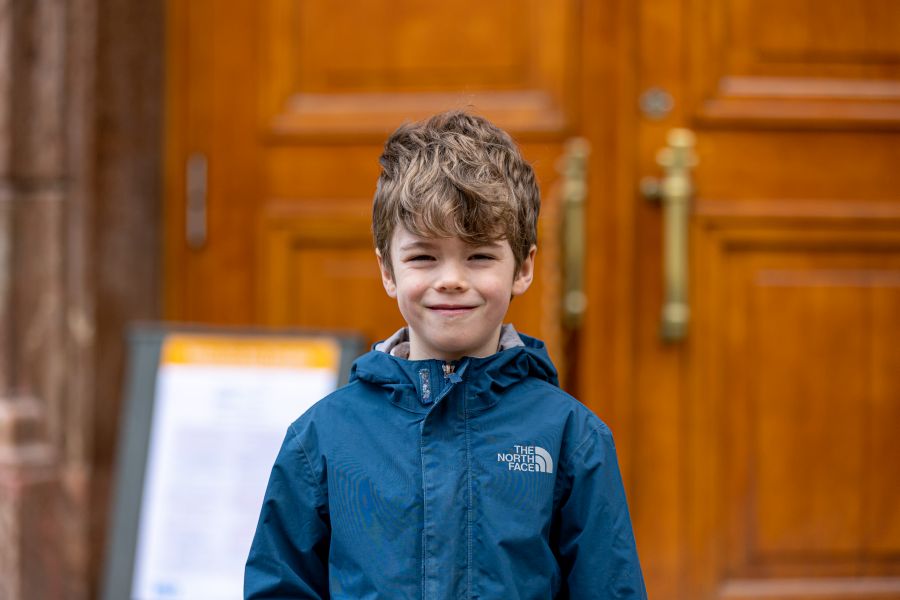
(452, 295)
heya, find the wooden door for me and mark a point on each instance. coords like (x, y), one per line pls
(758, 454)
(280, 108)
(766, 448)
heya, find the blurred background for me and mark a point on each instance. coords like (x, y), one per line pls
(730, 306)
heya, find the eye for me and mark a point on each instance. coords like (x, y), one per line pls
(482, 257)
(420, 258)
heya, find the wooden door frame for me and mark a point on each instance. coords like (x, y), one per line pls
(647, 435)
(607, 344)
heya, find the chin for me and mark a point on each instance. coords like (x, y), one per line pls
(466, 351)
(454, 350)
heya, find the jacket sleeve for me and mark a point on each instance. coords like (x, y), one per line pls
(596, 545)
(289, 554)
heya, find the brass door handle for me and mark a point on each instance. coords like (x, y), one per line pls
(573, 169)
(195, 221)
(675, 190)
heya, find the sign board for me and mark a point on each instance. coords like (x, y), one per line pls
(206, 414)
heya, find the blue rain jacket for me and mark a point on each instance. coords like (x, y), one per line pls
(417, 482)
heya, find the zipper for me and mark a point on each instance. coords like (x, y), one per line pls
(453, 378)
(450, 372)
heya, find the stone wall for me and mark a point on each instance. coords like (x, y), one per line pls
(80, 130)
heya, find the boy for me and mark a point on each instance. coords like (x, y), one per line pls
(451, 466)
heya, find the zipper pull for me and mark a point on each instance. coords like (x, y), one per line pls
(450, 373)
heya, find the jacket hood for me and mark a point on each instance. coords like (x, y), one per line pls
(485, 377)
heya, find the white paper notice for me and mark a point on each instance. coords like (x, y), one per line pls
(221, 412)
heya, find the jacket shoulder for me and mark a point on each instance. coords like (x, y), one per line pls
(569, 404)
(580, 425)
(327, 412)
(338, 399)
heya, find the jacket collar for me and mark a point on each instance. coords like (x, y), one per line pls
(416, 384)
(398, 344)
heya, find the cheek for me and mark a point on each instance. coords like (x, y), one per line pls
(499, 293)
(410, 290)
(406, 306)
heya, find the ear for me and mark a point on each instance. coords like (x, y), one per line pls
(525, 275)
(387, 278)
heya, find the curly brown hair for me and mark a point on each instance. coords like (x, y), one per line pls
(456, 175)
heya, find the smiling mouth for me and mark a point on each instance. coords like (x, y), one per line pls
(450, 309)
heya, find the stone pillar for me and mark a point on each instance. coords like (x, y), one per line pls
(128, 214)
(44, 329)
(30, 564)
(80, 185)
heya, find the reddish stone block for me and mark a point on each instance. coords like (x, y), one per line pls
(31, 559)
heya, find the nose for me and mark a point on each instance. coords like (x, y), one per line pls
(451, 278)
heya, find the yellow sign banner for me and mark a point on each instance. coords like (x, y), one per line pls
(199, 349)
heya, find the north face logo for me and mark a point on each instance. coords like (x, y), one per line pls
(527, 458)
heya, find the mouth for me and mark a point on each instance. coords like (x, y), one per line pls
(451, 309)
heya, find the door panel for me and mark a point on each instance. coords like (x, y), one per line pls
(791, 313)
(362, 68)
(781, 474)
(822, 62)
(316, 268)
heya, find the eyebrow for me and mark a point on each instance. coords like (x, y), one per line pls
(426, 245)
(417, 245)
